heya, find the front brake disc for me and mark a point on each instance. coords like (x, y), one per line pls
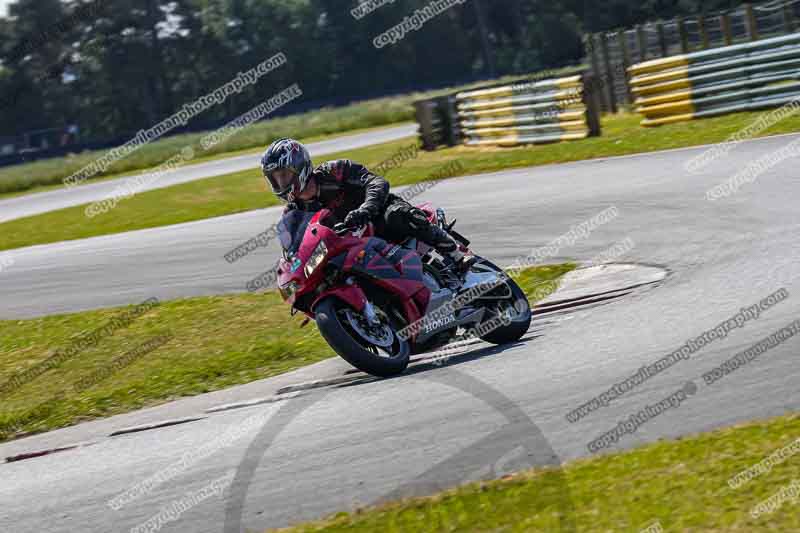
(378, 335)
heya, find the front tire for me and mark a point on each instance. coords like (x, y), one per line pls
(517, 305)
(353, 348)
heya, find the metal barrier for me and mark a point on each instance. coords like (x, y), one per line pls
(742, 77)
(546, 111)
(610, 53)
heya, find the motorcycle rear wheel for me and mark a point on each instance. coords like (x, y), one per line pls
(354, 348)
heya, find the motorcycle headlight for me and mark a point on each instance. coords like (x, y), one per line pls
(316, 258)
(288, 290)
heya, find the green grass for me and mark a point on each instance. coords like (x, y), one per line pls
(246, 190)
(680, 484)
(309, 127)
(196, 200)
(216, 342)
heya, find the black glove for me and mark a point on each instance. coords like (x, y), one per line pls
(356, 218)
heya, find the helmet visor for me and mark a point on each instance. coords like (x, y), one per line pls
(282, 181)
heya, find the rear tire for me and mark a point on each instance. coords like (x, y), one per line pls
(345, 342)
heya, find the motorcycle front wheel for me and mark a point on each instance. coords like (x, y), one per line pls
(372, 348)
(516, 307)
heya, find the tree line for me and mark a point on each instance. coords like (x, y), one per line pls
(113, 66)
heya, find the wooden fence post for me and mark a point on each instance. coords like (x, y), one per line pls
(701, 23)
(609, 73)
(662, 40)
(684, 37)
(626, 62)
(641, 40)
(788, 18)
(725, 26)
(752, 24)
(591, 99)
(605, 103)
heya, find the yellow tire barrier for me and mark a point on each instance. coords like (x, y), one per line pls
(710, 83)
(526, 113)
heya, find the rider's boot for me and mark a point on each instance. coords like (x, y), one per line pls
(443, 242)
(446, 245)
(463, 261)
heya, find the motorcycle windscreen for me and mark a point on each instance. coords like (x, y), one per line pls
(292, 229)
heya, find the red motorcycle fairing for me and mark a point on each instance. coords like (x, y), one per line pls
(396, 269)
(391, 267)
(294, 271)
(352, 295)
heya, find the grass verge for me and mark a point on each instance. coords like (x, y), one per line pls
(255, 151)
(246, 190)
(196, 200)
(681, 485)
(178, 348)
(311, 125)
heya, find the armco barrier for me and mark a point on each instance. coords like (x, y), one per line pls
(561, 109)
(742, 77)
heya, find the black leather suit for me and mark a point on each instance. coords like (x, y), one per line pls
(344, 186)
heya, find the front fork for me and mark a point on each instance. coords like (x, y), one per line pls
(354, 296)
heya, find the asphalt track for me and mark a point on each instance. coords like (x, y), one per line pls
(42, 202)
(333, 449)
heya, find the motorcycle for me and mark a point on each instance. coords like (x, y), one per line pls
(376, 303)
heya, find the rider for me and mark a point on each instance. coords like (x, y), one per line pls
(354, 194)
